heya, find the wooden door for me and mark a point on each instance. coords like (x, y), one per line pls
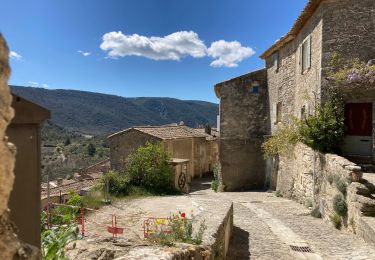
(358, 123)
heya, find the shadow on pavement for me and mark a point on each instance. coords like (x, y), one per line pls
(239, 245)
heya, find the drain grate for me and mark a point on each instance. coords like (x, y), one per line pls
(303, 249)
(256, 201)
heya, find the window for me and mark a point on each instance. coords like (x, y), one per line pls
(306, 54)
(276, 60)
(277, 113)
(303, 112)
(279, 107)
(255, 89)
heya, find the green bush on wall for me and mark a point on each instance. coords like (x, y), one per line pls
(324, 131)
(336, 220)
(339, 205)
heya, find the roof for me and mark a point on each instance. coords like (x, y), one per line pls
(165, 132)
(27, 112)
(209, 137)
(305, 15)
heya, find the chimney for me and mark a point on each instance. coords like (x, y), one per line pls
(207, 129)
(59, 181)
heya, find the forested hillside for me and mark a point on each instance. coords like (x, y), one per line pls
(95, 113)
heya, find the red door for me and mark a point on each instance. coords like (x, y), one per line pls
(358, 119)
(358, 122)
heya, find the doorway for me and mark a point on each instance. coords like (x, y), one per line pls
(358, 123)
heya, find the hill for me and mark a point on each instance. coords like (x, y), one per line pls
(102, 114)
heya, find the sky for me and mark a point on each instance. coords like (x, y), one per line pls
(141, 48)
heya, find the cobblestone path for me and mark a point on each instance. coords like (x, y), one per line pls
(265, 227)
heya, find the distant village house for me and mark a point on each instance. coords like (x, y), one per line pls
(197, 147)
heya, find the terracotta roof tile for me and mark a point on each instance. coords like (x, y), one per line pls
(165, 132)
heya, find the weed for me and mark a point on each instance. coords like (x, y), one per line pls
(336, 220)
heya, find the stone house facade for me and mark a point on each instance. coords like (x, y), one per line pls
(294, 83)
(182, 142)
(243, 125)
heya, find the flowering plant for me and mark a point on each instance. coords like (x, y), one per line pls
(351, 73)
(180, 228)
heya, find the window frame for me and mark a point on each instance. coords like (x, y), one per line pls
(306, 50)
(278, 112)
(276, 60)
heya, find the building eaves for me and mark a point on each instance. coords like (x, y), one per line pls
(305, 15)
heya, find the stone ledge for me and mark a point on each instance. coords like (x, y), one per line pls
(218, 216)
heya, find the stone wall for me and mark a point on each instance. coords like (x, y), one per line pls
(244, 122)
(349, 30)
(295, 180)
(10, 247)
(287, 83)
(123, 144)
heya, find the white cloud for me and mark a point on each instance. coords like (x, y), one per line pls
(15, 55)
(174, 46)
(228, 54)
(85, 53)
(38, 85)
(171, 47)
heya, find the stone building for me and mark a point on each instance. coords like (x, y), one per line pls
(24, 202)
(244, 122)
(11, 246)
(182, 142)
(294, 82)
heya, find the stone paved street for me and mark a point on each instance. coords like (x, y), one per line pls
(266, 226)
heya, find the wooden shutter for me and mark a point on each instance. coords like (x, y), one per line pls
(273, 113)
(308, 52)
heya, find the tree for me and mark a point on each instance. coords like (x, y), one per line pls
(91, 150)
(150, 167)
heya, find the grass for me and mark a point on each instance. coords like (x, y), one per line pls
(278, 194)
(336, 220)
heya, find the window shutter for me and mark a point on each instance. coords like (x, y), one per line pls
(301, 58)
(273, 114)
(309, 52)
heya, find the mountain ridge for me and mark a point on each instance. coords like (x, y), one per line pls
(102, 114)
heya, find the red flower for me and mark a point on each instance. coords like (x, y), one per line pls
(183, 215)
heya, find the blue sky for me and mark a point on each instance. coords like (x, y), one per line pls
(132, 48)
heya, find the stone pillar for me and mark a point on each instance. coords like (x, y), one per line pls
(10, 246)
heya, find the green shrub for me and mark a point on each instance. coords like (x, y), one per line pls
(339, 205)
(55, 240)
(93, 199)
(336, 221)
(282, 142)
(215, 181)
(149, 167)
(340, 185)
(316, 213)
(118, 184)
(278, 193)
(325, 130)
